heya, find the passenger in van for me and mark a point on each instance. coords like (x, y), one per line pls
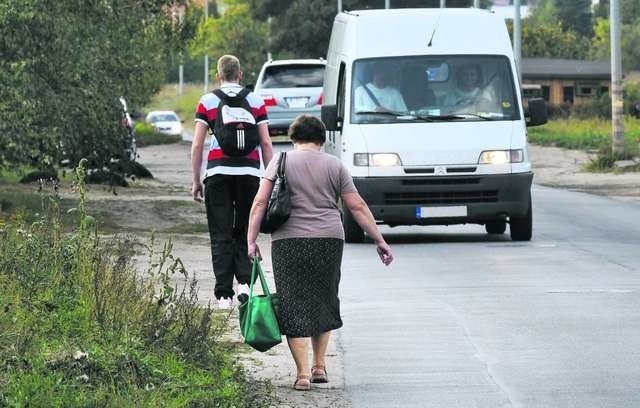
(378, 95)
(469, 89)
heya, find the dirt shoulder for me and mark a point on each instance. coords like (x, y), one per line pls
(172, 184)
(563, 168)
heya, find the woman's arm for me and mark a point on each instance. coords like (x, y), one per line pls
(258, 209)
(362, 215)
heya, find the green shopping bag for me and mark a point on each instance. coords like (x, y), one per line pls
(258, 319)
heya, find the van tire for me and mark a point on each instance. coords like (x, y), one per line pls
(353, 234)
(496, 227)
(521, 227)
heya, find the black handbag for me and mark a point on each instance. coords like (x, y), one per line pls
(279, 207)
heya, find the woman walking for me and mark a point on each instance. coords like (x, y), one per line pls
(307, 248)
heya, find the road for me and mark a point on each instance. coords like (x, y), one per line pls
(464, 320)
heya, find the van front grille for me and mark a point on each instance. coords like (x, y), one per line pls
(440, 181)
(432, 170)
(441, 197)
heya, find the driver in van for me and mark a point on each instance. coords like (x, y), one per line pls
(469, 79)
(379, 95)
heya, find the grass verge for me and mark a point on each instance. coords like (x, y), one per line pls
(584, 134)
(81, 326)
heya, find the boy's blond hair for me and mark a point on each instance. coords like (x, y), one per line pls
(228, 68)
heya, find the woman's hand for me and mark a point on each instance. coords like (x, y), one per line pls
(253, 250)
(384, 252)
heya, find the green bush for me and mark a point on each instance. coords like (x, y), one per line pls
(146, 135)
(80, 326)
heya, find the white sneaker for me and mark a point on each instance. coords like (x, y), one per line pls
(225, 303)
(243, 288)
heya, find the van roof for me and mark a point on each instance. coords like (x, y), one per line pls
(388, 32)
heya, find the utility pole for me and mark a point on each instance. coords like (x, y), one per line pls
(387, 4)
(339, 6)
(476, 3)
(617, 116)
(181, 56)
(206, 54)
(517, 39)
(443, 3)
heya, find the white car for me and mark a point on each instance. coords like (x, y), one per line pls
(165, 122)
(290, 88)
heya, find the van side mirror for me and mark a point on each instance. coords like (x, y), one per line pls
(537, 112)
(329, 115)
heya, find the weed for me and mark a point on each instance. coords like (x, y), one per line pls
(81, 326)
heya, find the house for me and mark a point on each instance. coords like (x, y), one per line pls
(565, 81)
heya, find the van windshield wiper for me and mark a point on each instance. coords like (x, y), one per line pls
(448, 118)
(388, 113)
(475, 115)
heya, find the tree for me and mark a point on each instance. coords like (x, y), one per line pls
(575, 15)
(235, 32)
(544, 13)
(63, 67)
(301, 28)
(630, 10)
(551, 41)
(601, 43)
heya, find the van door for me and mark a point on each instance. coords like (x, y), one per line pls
(334, 138)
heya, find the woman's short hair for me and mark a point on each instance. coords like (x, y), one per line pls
(228, 67)
(308, 129)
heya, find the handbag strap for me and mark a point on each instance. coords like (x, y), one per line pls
(256, 268)
(281, 164)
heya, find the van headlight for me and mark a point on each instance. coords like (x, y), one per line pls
(501, 156)
(376, 159)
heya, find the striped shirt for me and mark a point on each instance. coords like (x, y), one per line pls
(217, 161)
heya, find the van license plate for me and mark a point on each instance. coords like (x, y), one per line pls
(441, 212)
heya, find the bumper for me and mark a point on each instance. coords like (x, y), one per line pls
(397, 200)
(280, 119)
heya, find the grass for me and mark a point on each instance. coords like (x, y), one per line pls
(184, 105)
(147, 136)
(584, 134)
(80, 325)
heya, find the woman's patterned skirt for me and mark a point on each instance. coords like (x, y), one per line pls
(307, 275)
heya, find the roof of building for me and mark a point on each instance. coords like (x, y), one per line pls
(565, 68)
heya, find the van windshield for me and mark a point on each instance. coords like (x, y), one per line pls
(433, 89)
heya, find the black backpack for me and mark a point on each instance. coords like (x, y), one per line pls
(235, 128)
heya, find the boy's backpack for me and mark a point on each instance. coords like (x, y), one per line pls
(235, 128)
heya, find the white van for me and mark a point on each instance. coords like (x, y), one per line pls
(423, 107)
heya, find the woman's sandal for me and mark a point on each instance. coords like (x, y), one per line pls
(319, 374)
(302, 383)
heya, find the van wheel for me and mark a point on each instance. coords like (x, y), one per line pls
(521, 227)
(353, 234)
(496, 227)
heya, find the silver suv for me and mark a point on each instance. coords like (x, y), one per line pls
(290, 88)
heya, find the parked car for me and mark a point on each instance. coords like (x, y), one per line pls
(165, 122)
(290, 88)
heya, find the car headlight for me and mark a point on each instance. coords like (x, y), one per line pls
(376, 159)
(501, 156)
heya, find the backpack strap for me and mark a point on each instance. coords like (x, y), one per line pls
(220, 94)
(223, 96)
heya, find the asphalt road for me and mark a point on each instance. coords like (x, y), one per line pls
(462, 319)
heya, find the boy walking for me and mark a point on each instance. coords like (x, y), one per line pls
(230, 179)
